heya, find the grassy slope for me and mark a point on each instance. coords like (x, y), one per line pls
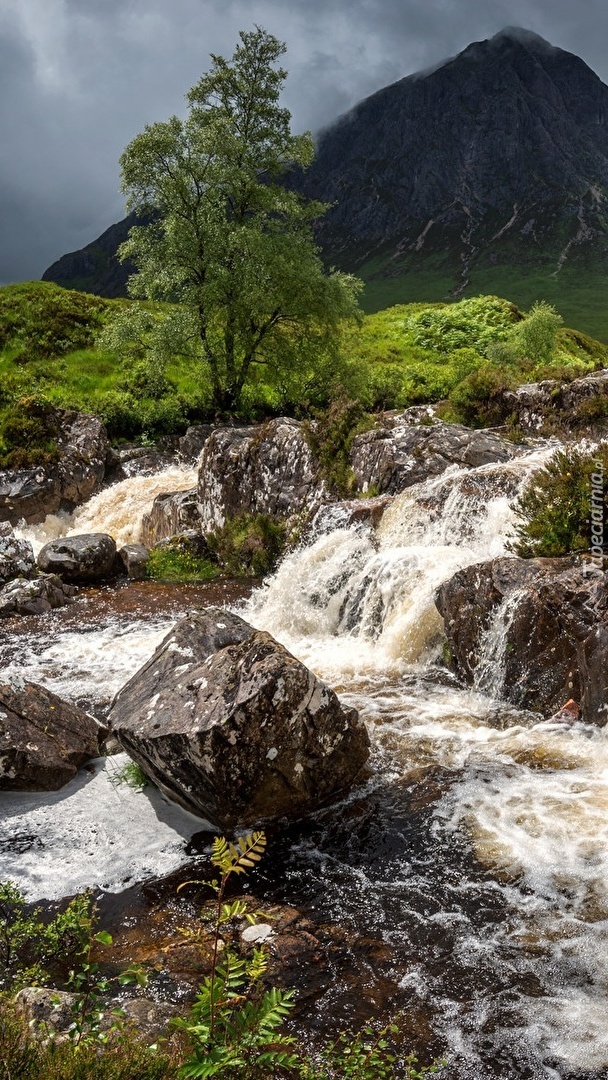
(579, 294)
(399, 356)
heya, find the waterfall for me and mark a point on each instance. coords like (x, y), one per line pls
(117, 510)
(354, 601)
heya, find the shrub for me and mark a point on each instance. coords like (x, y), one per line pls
(249, 545)
(478, 400)
(41, 321)
(28, 433)
(331, 437)
(555, 510)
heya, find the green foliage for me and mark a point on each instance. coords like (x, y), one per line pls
(331, 436)
(124, 1056)
(371, 1054)
(555, 510)
(476, 323)
(478, 400)
(176, 562)
(536, 336)
(228, 242)
(249, 544)
(30, 946)
(28, 432)
(132, 775)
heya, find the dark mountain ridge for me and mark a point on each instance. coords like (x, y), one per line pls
(495, 160)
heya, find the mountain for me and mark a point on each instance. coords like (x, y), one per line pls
(486, 173)
(95, 268)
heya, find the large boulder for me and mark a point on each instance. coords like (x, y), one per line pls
(172, 512)
(266, 469)
(86, 558)
(35, 597)
(32, 493)
(532, 630)
(400, 453)
(17, 559)
(43, 740)
(235, 729)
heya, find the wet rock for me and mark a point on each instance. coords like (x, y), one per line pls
(172, 512)
(186, 543)
(17, 559)
(540, 627)
(266, 469)
(235, 729)
(568, 714)
(192, 443)
(86, 558)
(342, 515)
(35, 597)
(581, 405)
(134, 558)
(43, 740)
(397, 455)
(33, 493)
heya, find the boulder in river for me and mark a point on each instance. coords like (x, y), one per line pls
(35, 597)
(86, 558)
(34, 492)
(172, 512)
(235, 729)
(17, 559)
(134, 558)
(43, 740)
(532, 630)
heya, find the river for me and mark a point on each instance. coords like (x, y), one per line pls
(469, 872)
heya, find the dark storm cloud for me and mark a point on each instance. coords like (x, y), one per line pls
(79, 78)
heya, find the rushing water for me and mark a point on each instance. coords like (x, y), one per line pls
(471, 870)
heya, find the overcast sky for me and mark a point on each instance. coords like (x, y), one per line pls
(80, 78)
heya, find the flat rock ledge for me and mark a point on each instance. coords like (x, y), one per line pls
(231, 726)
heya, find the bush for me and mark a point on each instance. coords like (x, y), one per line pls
(478, 400)
(41, 321)
(555, 509)
(249, 545)
(331, 437)
(28, 433)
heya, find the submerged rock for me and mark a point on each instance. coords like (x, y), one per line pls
(43, 740)
(90, 557)
(34, 492)
(532, 630)
(235, 729)
(36, 597)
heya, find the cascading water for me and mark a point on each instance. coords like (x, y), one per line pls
(117, 510)
(471, 869)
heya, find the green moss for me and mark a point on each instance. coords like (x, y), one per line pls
(176, 563)
(249, 545)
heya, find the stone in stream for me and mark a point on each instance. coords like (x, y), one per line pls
(231, 726)
(43, 740)
(86, 558)
(542, 625)
(134, 558)
(262, 469)
(17, 559)
(36, 597)
(172, 512)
